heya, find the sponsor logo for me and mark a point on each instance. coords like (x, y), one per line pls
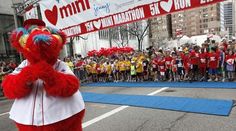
(101, 8)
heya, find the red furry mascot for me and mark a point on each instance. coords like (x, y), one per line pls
(44, 88)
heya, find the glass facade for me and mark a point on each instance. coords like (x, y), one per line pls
(228, 17)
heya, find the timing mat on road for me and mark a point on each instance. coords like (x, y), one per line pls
(183, 104)
(221, 85)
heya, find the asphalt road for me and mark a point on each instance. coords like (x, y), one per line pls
(103, 117)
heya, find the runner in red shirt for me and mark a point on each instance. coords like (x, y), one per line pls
(203, 64)
(168, 60)
(155, 68)
(174, 67)
(79, 70)
(225, 44)
(162, 68)
(79, 64)
(213, 64)
(194, 60)
(186, 62)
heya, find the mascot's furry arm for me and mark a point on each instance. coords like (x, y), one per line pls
(19, 85)
(57, 83)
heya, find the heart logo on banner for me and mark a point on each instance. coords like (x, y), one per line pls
(97, 24)
(166, 6)
(52, 15)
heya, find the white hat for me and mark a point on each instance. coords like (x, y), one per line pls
(168, 49)
(180, 49)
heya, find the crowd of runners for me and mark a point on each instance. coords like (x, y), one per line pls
(209, 62)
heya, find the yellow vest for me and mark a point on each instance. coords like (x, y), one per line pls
(132, 70)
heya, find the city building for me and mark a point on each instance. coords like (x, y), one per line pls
(160, 29)
(229, 16)
(198, 21)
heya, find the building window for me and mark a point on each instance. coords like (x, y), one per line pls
(205, 10)
(205, 15)
(205, 26)
(205, 20)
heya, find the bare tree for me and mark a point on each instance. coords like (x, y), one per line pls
(120, 36)
(116, 36)
(138, 30)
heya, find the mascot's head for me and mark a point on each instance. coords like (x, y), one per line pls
(38, 42)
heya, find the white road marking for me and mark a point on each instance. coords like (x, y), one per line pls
(6, 113)
(112, 112)
(158, 91)
(88, 123)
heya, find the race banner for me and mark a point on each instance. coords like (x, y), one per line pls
(76, 17)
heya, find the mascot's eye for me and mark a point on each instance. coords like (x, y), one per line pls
(35, 29)
(46, 30)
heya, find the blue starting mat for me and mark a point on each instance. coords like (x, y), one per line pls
(183, 104)
(220, 85)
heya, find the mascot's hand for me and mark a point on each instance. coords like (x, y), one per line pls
(45, 71)
(28, 73)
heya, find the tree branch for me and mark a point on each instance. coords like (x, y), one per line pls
(145, 30)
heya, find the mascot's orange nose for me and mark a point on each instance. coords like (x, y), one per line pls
(42, 38)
